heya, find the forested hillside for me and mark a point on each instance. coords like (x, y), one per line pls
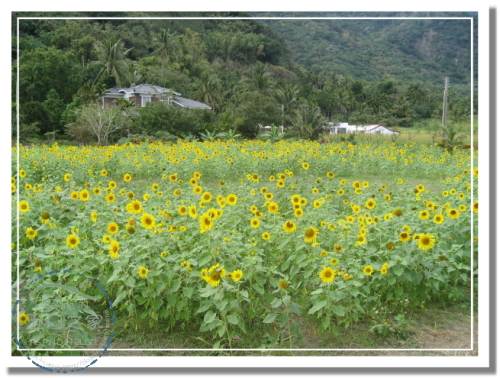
(408, 49)
(251, 72)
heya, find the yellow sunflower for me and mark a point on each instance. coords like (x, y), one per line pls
(404, 236)
(113, 228)
(31, 233)
(273, 207)
(147, 221)
(424, 214)
(72, 241)
(368, 270)
(110, 198)
(143, 272)
(24, 206)
(114, 248)
(23, 318)
(453, 214)
(254, 222)
(236, 275)
(310, 235)
(231, 199)
(289, 226)
(425, 241)
(438, 218)
(327, 275)
(134, 207)
(84, 195)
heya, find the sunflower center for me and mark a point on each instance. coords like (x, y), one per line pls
(310, 233)
(215, 276)
(425, 240)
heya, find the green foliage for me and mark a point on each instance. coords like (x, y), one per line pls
(157, 116)
(254, 110)
(309, 123)
(55, 106)
(35, 112)
(355, 71)
(43, 69)
(112, 59)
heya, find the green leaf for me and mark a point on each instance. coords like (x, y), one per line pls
(325, 322)
(131, 309)
(130, 281)
(209, 317)
(295, 307)
(207, 291)
(391, 280)
(233, 319)
(157, 303)
(316, 292)
(286, 300)
(285, 266)
(270, 317)
(221, 305)
(318, 306)
(188, 291)
(354, 292)
(171, 299)
(204, 306)
(241, 324)
(276, 303)
(221, 330)
(119, 297)
(205, 258)
(339, 310)
(398, 270)
(244, 293)
(259, 289)
(176, 284)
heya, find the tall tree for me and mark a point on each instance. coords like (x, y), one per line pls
(259, 79)
(207, 90)
(165, 45)
(42, 69)
(309, 123)
(288, 96)
(112, 58)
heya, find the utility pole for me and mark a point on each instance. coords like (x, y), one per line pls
(445, 106)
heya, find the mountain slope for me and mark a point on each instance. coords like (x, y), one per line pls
(367, 49)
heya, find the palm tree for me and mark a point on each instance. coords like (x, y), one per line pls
(207, 90)
(309, 122)
(91, 93)
(113, 60)
(165, 43)
(259, 79)
(287, 96)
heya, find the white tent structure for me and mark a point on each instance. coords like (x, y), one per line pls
(345, 128)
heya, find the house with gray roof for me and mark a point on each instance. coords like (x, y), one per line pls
(143, 93)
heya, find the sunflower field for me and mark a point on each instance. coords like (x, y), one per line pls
(218, 237)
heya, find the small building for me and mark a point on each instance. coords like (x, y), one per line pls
(345, 128)
(144, 93)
